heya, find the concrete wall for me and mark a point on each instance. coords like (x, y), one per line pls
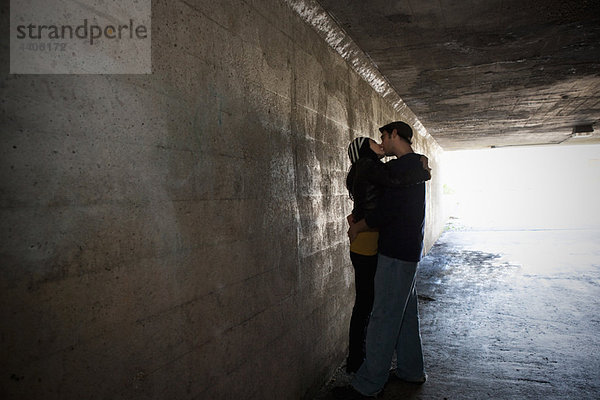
(182, 234)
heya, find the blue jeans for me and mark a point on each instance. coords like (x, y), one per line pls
(394, 325)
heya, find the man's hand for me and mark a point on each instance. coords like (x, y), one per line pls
(350, 219)
(356, 228)
(425, 162)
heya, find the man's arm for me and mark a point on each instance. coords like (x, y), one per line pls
(418, 173)
(388, 208)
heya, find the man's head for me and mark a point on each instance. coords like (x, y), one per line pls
(396, 138)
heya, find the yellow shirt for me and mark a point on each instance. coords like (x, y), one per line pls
(365, 243)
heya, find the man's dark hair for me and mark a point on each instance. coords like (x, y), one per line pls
(402, 128)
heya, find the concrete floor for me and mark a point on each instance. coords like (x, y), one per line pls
(508, 315)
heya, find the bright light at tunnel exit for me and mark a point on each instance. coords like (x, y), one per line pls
(538, 187)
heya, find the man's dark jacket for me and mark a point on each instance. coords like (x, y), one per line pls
(400, 214)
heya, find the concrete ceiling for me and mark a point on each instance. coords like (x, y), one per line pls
(481, 73)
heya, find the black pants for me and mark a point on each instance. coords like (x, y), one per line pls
(364, 277)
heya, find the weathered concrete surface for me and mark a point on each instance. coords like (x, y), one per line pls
(486, 72)
(182, 235)
(508, 315)
(326, 27)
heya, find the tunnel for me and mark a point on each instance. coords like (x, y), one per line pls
(174, 205)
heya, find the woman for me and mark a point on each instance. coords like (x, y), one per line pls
(365, 182)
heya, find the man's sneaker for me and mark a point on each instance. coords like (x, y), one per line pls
(349, 393)
(393, 377)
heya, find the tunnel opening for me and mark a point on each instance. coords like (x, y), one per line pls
(533, 187)
(512, 283)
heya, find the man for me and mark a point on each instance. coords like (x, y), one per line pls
(394, 323)
(366, 182)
